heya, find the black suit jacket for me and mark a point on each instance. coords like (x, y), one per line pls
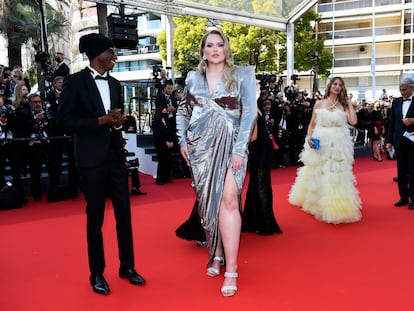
(161, 100)
(80, 105)
(62, 70)
(396, 127)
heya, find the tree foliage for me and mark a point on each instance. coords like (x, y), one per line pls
(261, 47)
(20, 23)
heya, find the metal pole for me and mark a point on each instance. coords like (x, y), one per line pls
(290, 39)
(373, 53)
(411, 38)
(43, 29)
(333, 38)
(170, 44)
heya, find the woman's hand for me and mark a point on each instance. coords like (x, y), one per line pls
(184, 154)
(310, 142)
(237, 162)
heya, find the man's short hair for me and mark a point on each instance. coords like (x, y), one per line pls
(168, 82)
(33, 95)
(57, 78)
(407, 81)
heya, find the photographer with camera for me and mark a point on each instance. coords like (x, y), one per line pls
(168, 101)
(297, 123)
(55, 147)
(32, 123)
(16, 78)
(290, 91)
(132, 168)
(8, 150)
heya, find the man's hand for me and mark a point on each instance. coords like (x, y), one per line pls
(114, 117)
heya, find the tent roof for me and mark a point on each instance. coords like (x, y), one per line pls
(273, 14)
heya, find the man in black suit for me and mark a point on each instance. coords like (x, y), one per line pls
(91, 107)
(167, 100)
(61, 68)
(401, 121)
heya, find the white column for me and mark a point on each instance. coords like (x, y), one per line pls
(290, 53)
(333, 39)
(411, 37)
(373, 53)
(170, 44)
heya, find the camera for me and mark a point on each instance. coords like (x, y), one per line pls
(133, 163)
(48, 112)
(8, 111)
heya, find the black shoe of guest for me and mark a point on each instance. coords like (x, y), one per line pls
(99, 284)
(401, 202)
(395, 179)
(411, 206)
(137, 192)
(159, 183)
(132, 276)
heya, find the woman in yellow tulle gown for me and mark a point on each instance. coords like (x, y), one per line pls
(325, 184)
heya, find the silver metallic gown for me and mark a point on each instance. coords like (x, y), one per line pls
(213, 128)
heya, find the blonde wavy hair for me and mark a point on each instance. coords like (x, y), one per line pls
(19, 98)
(229, 67)
(342, 97)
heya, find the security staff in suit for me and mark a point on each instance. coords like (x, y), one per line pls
(402, 120)
(61, 68)
(91, 108)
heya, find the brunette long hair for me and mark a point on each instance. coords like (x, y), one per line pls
(342, 97)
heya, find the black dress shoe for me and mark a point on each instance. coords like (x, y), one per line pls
(411, 206)
(99, 284)
(137, 192)
(395, 179)
(132, 276)
(159, 183)
(401, 202)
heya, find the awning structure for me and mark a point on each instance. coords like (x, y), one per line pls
(273, 14)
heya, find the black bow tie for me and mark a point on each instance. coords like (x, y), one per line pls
(101, 78)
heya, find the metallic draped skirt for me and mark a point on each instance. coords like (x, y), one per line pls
(210, 141)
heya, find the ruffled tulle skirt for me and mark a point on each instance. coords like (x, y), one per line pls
(325, 185)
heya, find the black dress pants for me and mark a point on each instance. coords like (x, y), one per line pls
(108, 179)
(405, 168)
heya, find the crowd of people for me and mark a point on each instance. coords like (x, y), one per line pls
(30, 137)
(221, 130)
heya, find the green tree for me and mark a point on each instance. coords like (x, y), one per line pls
(306, 42)
(261, 47)
(187, 38)
(20, 23)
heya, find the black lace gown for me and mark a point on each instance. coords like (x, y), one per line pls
(258, 213)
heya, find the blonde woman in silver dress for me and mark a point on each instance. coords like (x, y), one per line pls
(325, 185)
(214, 123)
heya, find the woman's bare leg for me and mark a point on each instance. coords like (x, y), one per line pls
(230, 225)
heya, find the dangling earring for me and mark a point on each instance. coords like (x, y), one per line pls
(204, 57)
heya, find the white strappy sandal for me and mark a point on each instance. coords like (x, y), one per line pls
(229, 290)
(213, 271)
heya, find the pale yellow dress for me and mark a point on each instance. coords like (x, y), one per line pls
(325, 185)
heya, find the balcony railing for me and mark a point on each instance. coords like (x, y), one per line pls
(392, 60)
(352, 5)
(365, 32)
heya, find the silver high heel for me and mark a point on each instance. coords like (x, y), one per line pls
(213, 271)
(229, 290)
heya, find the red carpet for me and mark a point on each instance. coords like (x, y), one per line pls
(311, 266)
